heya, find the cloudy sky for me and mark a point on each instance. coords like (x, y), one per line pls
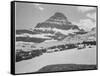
(29, 14)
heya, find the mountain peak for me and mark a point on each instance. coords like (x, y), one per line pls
(59, 21)
(59, 15)
(58, 18)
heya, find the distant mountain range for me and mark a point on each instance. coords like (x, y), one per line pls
(55, 28)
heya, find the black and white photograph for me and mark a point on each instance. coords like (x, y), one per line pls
(55, 37)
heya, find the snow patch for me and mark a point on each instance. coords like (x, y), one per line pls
(65, 32)
(35, 35)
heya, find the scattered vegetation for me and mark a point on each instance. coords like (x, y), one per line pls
(24, 55)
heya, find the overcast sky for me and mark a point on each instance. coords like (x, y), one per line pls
(29, 14)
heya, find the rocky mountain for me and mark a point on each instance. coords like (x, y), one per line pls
(57, 27)
(57, 22)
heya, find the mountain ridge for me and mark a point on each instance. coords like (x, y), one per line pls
(56, 27)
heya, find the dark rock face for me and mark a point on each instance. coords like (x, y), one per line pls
(93, 29)
(58, 17)
(59, 21)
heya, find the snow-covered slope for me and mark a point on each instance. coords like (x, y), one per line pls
(74, 56)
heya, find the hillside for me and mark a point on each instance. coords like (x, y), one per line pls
(56, 30)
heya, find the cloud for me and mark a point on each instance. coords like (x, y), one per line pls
(90, 21)
(38, 6)
(85, 9)
(86, 24)
(92, 16)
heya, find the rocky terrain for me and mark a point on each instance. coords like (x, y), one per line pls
(54, 32)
